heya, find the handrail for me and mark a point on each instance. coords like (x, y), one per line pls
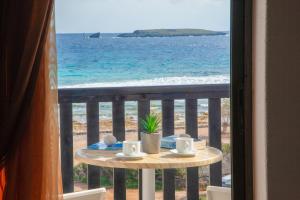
(78, 95)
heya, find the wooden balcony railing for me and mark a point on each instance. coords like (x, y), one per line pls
(143, 95)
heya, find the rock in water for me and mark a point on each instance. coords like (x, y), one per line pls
(95, 35)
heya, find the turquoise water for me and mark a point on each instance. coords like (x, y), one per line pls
(113, 61)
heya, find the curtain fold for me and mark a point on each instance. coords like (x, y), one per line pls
(29, 143)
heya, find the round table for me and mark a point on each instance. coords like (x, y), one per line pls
(164, 160)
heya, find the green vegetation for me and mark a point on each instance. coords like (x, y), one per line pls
(225, 112)
(151, 123)
(106, 179)
(80, 173)
(226, 148)
(132, 179)
(171, 33)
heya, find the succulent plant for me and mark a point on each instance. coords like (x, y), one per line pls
(151, 123)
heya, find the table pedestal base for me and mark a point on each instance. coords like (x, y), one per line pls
(148, 184)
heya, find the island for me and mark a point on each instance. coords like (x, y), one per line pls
(171, 33)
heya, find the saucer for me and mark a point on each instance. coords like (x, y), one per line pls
(137, 156)
(188, 154)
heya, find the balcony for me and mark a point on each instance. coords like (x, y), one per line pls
(142, 95)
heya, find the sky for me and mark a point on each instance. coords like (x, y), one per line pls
(119, 16)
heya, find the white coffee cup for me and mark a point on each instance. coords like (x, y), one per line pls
(184, 144)
(131, 148)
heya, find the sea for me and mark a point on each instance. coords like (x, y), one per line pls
(112, 61)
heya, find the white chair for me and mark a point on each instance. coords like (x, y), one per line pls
(218, 193)
(94, 194)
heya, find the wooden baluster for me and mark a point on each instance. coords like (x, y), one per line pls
(168, 129)
(143, 110)
(119, 133)
(66, 143)
(92, 110)
(214, 123)
(191, 128)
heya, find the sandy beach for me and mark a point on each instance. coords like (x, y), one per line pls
(105, 127)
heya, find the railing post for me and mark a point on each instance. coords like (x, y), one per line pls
(214, 121)
(143, 110)
(119, 133)
(92, 111)
(168, 129)
(66, 144)
(191, 128)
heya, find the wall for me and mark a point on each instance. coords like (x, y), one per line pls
(259, 100)
(276, 99)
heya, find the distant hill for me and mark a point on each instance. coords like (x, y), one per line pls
(171, 33)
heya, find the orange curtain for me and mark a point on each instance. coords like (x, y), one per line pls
(29, 150)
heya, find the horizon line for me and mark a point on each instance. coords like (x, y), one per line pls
(133, 31)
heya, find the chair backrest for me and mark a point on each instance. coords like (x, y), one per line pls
(218, 193)
(94, 194)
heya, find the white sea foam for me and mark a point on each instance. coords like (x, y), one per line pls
(218, 79)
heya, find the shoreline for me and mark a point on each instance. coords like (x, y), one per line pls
(156, 81)
(131, 124)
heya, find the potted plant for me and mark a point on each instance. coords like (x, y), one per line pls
(150, 136)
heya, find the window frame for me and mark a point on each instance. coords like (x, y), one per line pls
(241, 99)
